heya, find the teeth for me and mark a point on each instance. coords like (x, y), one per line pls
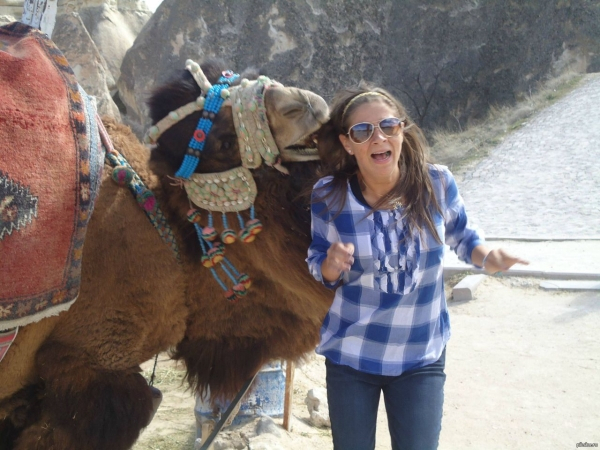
(299, 155)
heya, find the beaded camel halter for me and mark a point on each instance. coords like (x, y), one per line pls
(232, 191)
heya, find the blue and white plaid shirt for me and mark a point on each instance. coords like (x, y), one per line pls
(389, 314)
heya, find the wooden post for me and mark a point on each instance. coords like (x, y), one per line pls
(207, 428)
(289, 395)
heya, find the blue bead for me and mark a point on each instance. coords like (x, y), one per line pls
(212, 103)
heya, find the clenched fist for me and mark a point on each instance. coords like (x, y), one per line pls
(339, 259)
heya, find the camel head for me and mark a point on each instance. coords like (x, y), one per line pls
(259, 121)
(216, 133)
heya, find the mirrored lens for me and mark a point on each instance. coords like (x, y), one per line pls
(361, 132)
(390, 126)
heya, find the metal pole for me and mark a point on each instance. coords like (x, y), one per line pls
(238, 398)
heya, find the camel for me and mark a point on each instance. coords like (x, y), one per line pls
(72, 381)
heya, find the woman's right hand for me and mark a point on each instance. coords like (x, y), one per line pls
(339, 259)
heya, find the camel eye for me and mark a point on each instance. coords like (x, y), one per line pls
(294, 110)
(228, 142)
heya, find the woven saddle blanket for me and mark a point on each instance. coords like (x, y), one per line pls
(50, 163)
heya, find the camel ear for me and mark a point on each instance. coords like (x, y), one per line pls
(251, 73)
(328, 142)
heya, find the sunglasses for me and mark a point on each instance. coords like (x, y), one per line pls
(362, 132)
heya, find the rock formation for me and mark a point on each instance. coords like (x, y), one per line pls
(10, 10)
(94, 36)
(448, 60)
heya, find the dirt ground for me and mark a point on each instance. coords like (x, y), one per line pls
(523, 368)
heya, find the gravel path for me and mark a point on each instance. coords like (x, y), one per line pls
(544, 179)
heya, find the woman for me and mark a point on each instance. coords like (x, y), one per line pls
(380, 217)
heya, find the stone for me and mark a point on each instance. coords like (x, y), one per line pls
(266, 442)
(318, 408)
(94, 36)
(447, 61)
(571, 285)
(232, 443)
(267, 425)
(6, 19)
(465, 289)
(114, 30)
(10, 10)
(71, 37)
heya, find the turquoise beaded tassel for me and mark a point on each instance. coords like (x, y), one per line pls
(250, 229)
(228, 236)
(213, 254)
(209, 233)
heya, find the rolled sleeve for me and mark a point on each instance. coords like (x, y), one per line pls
(322, 233)
(462, 236)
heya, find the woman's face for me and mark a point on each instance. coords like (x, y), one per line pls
(378, 156)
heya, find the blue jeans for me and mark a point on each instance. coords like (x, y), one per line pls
(413, 402)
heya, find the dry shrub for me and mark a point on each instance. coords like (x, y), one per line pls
(461, 151)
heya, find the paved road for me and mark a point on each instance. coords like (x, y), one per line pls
(522, 364)
(543, 181)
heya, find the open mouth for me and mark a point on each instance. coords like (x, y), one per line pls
(303, 150)
(383, 156)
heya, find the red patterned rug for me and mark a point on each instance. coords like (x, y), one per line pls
(50, 162)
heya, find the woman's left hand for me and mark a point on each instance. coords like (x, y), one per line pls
(499, 260)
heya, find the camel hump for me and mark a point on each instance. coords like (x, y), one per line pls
(50, 162)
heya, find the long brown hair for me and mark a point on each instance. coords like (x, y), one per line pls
(414, 186)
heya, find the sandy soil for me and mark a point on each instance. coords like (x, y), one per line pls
(523, 368)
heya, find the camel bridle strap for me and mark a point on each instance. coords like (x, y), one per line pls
(232, 191)
(156, 130)
(255, 140)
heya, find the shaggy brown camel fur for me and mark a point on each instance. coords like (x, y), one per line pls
(73, 381)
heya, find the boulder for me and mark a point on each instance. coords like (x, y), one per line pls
(10, 10)
(114, 29)
(73, 39)
(447, 60)
(94, 36)
(318, 407)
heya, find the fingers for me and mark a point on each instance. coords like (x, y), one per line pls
(500, 261)
(341, 250)
(349, 247)
(508, 260)
(339, 256)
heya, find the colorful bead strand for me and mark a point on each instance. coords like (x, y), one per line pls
(214, 99)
